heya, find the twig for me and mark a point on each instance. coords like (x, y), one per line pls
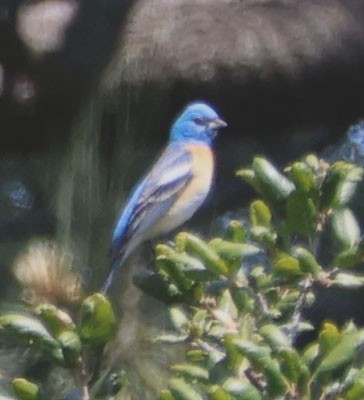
(296, 316)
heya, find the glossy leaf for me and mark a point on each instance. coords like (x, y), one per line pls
(260, 358)
(178, 317)
(291, 364)
(166, 395)
(172, 338)
(329, 337)
(260, 213)
(237, 231)
(25, 390)
(345, 228)
(274, 186)
(218, 393)
(191, 371)
(274, 336)
(56, 320)
(29, 330)
(356, 390)
(303, 177)
(340, 184)
(175, 273)
(308, 262)
(286, 265)
(342, 353)
(348, 281)
(197, 247)
(183, 390)
(71, 347)
(97, 320)
(232, 251)
(301, 214)
(241, 390)
(250, 176)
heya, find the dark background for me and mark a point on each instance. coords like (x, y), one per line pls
(88, 90)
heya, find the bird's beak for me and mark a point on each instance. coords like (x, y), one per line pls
(217, 123)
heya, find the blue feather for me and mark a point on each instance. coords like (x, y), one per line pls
(154, 196)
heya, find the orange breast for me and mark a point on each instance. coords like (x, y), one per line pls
(202, 167)
(196, 191)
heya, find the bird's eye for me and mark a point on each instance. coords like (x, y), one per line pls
(199, 121)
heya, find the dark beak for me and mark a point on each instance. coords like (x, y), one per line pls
(217, 124)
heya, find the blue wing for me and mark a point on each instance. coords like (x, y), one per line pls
(153, 196)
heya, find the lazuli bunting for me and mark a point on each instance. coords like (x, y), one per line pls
(173, 189)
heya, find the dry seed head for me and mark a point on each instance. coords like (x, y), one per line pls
(44, 270)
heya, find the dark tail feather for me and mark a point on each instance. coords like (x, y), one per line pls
(108, 282)
(115, 265)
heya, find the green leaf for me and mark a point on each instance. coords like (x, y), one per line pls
(197, 247)
(329, 337)
(356, 391)
(166, 395)
(313, 162)
(348, 258)
(348, 281)
(196, 355)
(172, 338)
(170, 269)
(274, 186)
(342, 353)
(237, 231)
(250, 177)
(340, 184)
(260, 358)
(345, 228)
(286, 265)
(29, 329)
(56, 320)
(71, 347)
(307, 260)
(303, 177)
(234, 356)
(191, 371)
(25, 390)
(241, 390)
(260, 213)
(301, 214)
(242, 300)
(232, 251)
(178, 317)
(190, 267)
(183, 390)
(311, 353)
(274, 336)
(291, 364)
(218, 393)
(97, 322)
(264, 235)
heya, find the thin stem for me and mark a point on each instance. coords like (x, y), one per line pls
(296, 316)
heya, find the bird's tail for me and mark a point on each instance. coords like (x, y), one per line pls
(108, 282)
(115, 266)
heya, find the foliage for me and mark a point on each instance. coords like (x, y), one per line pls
(244, 293)
(236, 302)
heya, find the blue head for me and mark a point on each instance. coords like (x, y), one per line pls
(198, 123)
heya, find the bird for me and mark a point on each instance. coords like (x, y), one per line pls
(173, 189)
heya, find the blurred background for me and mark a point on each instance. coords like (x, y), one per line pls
(88, 90)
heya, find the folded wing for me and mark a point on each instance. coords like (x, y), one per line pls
(152, 198)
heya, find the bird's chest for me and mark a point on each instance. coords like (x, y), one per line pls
(195, 192)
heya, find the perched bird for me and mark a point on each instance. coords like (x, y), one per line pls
(173, 189)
